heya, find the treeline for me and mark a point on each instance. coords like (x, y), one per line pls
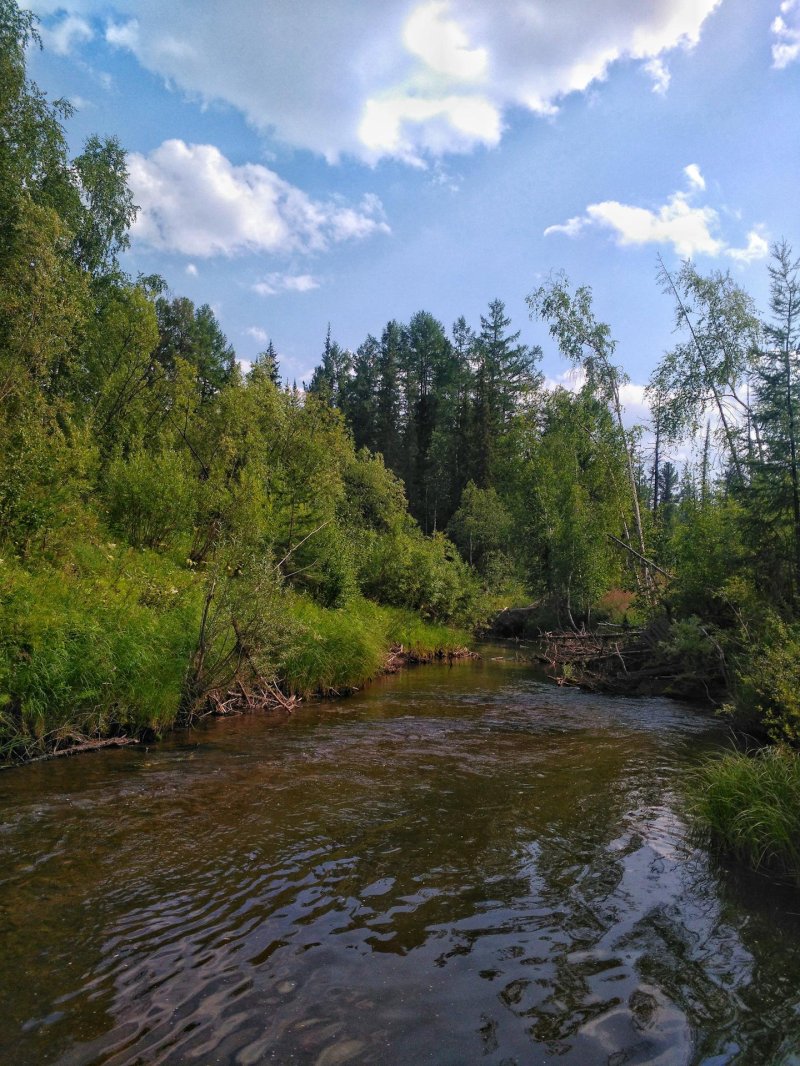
(170, 527)
(552, 492)
(170, 530)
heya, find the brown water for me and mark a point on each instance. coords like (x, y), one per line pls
(460, 865)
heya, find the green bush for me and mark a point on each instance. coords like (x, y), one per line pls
(151, 499)
(767, 688)
(426, 574)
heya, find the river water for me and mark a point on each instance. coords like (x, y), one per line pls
(459, 865)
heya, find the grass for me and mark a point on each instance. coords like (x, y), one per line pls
(97, 648)
(749, 805)
(336, 650)
(99, 645)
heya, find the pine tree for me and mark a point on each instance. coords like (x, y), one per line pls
(776, 481)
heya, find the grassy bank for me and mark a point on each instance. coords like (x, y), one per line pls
(102, 645)
(749, 806)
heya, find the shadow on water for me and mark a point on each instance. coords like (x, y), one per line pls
(458, 865)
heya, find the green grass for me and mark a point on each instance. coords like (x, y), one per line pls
(749, 805)
(336, 650)
(97, 648)
(100, 645)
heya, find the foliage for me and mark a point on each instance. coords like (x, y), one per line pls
(767, 690)
(100, 647)
(749, 805)
(151, 499)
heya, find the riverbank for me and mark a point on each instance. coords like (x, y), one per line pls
(745, 802)
(130, 648)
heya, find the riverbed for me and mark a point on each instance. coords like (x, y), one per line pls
(462, 864)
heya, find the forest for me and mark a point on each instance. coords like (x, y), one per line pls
(177, 534)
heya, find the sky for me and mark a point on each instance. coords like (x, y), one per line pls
(304, 162)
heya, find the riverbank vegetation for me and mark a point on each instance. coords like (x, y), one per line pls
(172, 529)
(173, 525)
(750, 805)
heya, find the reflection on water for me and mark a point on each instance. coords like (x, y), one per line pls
(461, 865)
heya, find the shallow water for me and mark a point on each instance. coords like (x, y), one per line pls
(459, 865)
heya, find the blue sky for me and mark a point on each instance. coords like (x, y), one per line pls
(299, 162)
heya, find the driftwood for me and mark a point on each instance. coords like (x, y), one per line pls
(260, 696)
(623, 661)
(80, 747)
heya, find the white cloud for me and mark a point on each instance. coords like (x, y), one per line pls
(757, 248)
(195, 201)
(696, 179)
(412, 79)
(276, 283)
(571, 228)
(257, 334)
(690, 228)
(442, 43)
(686, 228)
(123, 34)
(64, 36)
(659, 72)
(191, 270)
(786, 34)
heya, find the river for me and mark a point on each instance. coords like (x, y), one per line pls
(458, 865)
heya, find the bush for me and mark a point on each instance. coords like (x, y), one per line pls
(426, 574)
(749, 805)
(151, 498)
(767, 688)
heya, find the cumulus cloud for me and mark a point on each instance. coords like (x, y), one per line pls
(691, 228)
(410, 79)
(659, 72)
(757, 247)
(195, 201)
(258, 334)
(276, 282)
(786, 35)
(63, 36)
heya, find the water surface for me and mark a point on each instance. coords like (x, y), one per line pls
(459, 865)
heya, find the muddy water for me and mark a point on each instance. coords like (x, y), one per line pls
(460, 865)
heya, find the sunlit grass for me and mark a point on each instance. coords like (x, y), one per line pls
(337, 650)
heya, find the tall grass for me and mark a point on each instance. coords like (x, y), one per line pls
(336, 650)
(95, 649)
(102, 645)
(749, 805)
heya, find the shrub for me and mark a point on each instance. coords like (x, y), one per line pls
(151, 498)
(767, 689)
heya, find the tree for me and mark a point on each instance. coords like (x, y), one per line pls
(588, 344)
(329, 380)
(428, 362)
(504, 376)
(777, 401)
(359, 396)
(388, 412)
(108, 207)
(709, 367)
(196, 337)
